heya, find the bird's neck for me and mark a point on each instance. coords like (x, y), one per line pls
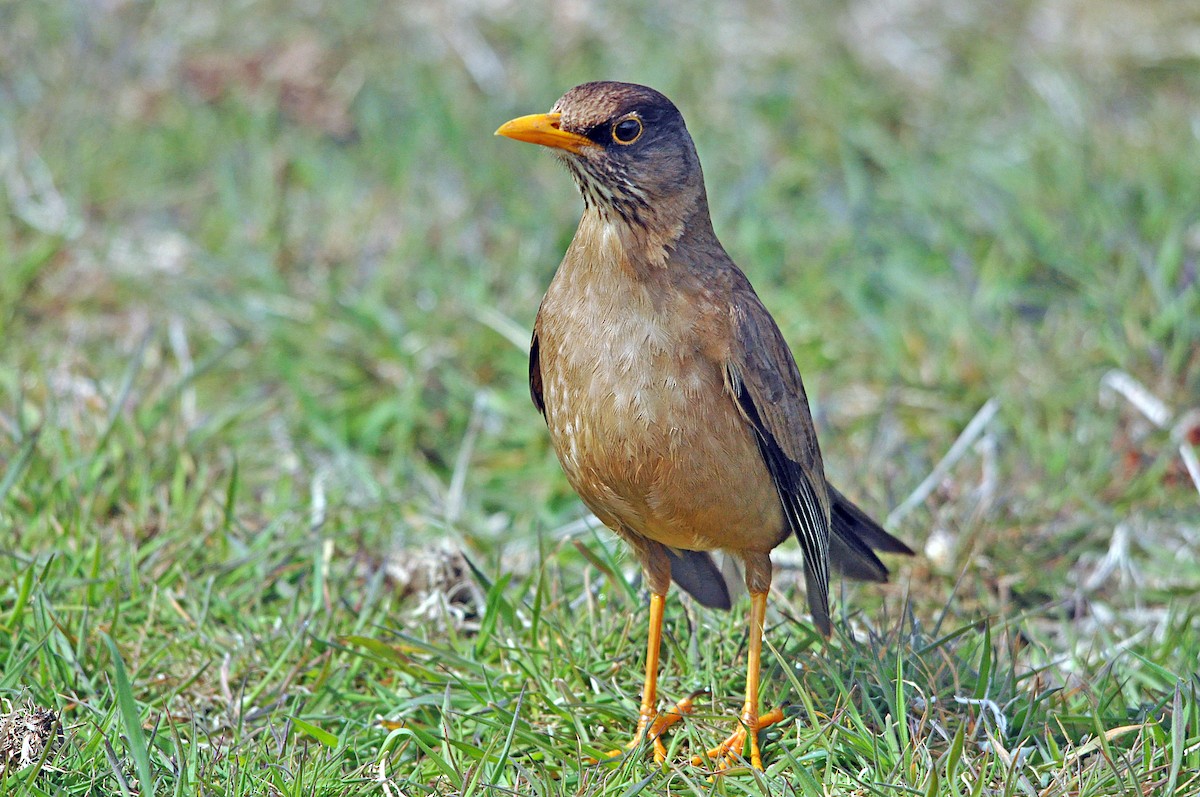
(651, 242)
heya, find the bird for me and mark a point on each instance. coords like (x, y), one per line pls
(672, 400)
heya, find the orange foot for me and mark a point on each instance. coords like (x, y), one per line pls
(727, 752)
(653, 727)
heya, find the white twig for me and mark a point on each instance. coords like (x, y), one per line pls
(993, 708)
(31, 191)
(1159, 414)
(318, 504)
(969, 435)
(508, 329)
(1136, 394)
(1179, 433)
(381, 777)
(989, 471)
(482, 62)
(1116, 560)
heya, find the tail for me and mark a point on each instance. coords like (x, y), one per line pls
(699, 576)
(854, 537)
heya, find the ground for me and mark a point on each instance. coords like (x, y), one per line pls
(278, 518)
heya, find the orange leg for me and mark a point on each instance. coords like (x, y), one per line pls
(647, 713)
(751, 722)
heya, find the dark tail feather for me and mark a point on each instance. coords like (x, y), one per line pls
(699, 576)
(853, 536)
(818, 598)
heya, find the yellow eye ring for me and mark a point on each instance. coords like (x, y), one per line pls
(627, 131)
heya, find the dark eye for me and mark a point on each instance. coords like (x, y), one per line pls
(627, 131)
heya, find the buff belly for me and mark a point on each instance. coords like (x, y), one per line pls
(651, 457)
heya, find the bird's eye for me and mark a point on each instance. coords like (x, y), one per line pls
(627, 131)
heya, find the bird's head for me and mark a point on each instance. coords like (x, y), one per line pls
(628, 149)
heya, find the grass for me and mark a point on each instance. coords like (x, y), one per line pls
(265, 281)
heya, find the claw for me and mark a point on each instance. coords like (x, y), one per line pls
(729, 751)
(652, 727)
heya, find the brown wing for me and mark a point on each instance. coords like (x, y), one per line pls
(763, 378)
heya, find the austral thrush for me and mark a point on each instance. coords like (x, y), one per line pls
(672, 400)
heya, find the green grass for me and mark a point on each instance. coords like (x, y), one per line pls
(262, 271)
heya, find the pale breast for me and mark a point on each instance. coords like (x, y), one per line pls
(641, 422)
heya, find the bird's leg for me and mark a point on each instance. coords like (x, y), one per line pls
(647, 711)
(758, 579)
(751, 722)
(650, 723)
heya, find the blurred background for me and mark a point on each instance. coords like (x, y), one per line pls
(289, 228)
(267, 281)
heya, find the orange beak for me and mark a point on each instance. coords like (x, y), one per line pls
(542, 128)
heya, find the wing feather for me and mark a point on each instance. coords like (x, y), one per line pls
(764, 379)
(535, 374)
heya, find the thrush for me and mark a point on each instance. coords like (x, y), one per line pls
(673, 402)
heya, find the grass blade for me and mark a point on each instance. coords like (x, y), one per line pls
(131, 720)
(18, 464)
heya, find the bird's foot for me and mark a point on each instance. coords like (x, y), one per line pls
(653, 726)
(729, 751)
